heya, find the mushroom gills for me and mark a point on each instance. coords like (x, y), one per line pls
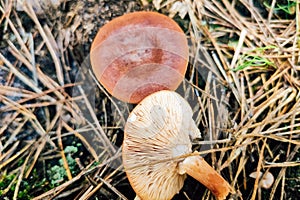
(157, 141)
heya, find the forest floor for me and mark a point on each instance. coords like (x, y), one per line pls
(58, 125)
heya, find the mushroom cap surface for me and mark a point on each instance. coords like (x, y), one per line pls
(138, 54)
(158, 130)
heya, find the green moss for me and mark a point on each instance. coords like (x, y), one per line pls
(5, 180)
(57, 173)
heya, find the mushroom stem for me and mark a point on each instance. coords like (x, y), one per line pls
(199, 169)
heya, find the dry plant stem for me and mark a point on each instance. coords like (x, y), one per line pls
(29, 10)
(256, 183)
(62, 153)
(88, 196)
(102, 134)
(200, 170)
(12, 158)
(83, 140)
(282, 172)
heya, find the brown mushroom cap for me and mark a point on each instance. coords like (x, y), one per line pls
(138, 54)
(157, 131)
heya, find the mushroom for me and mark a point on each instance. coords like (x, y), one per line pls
(157, 140)
(267, 179)
(138, 54)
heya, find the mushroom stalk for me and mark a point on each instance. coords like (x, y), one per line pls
(199, 169)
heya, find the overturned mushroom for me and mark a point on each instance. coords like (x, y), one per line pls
(158, 134)
(139, 53)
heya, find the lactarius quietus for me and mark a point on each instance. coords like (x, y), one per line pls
(138, 54)
(158, 134)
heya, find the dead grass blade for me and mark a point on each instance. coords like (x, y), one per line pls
(58, 67)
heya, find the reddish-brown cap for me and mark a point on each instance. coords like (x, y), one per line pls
(138, 54)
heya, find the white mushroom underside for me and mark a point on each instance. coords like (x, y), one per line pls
(156, 132)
